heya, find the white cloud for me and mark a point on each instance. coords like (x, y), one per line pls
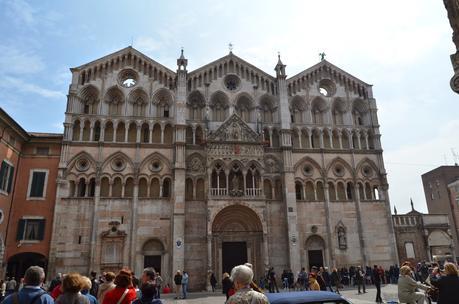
(15, 61)
(21, 86)
(20, 12)
(146, 44)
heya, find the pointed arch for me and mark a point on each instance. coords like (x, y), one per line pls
(89, 96)
(195, 104)
(369, 162)
(318, 109)
(267, 107)
(138, 100)
(339, 160)
(118, 154)
(244, 106)
(219, 104)
(297, 108)
(307, 159)
(163, 100)
(114, 97)
(81, 155)
(155, 155)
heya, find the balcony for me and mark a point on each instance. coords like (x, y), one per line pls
(248, 193)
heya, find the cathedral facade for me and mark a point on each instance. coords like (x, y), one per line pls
(206, 169)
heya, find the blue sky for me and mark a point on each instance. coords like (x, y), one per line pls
(401, 47)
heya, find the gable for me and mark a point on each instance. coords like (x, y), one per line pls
(234, 129)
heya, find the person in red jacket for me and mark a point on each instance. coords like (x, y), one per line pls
(124, 292)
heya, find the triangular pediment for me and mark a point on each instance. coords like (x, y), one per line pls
(234, 59)
(325, 69)
(127, 53)
(234, 129)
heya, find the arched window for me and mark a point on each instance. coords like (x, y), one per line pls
(244, 108)
(117, 187)
(76, 130)
(338, 110)
(360, 110)
(115, 100)
(90, 99)
(139, 100)
(341, 191)
(189, 189)
(267, 109)
(157, 133)
(86, 130)
(143, 187)
(104, 187)
(299, 191)
(129, 187)
(96, 131)
(200, 192)
(132, 132)
(82, 188)
(298, 107)
(310, 195)
(318, 109)
(275, 137)
(71, 189)
(168, 134)
(108, 132)
(368, 193)
(163, 101)
(320, 191)
(350, 191)
(154, 188)
(331, 191)
(199, 134)
(195, 105)
(120, 132)
(361, 191)
(278, 189)
(376, 193)
(166, 187)
(145, 133)
(92, 187)
(219, 106)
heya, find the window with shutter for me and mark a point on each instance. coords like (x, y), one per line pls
(38, 184)
(6, 177)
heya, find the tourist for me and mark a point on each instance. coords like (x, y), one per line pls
(106, 286)
(313, 284)
(149, 274)
(149, 294)
(185, 280)
(94, 284)
(178, 284)
(447, 284)
(213, 281)
(87, 284)
(360, 279)
(54, 282)
(11, 286)
(136, 286)
(71, 286)
(123, 293)
(284, 278)
(226, 284)
(321, 280)
(336, 279)
(407, 287)
(272, 280)
(253, 285)
(242, 276)
(326, 276)
(302, 279)
(376, 278)
(32, 292)
(159, 283)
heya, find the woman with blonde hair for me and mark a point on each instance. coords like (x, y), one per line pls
(407, 287)
(71, 286)
(447, 284)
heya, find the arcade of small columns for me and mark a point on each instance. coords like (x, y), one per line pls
(163, 133)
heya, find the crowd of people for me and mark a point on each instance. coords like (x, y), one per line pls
(439, 283)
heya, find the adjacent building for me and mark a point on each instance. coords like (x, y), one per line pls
(202, 170)
(423, 237)
(28, 172)
(440, 189)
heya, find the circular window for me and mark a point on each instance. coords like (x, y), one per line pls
(82, 164)
(118, 164)
(327, 87)
(339, 170)
(128, 78)
(232, 82)
(307, 170)
(156, 166)
(367, 171)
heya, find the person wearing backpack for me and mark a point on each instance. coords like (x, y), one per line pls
(32, 293)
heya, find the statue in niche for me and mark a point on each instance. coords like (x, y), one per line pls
(342, 241)
(236, 191)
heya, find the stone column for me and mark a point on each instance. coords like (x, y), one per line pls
(91, 133)
(300, 144)
(126, 132)
(321, 138)
(94, 229)
(81, 131)
(340, 138)
(115, 127)
(133, 228)
(150, 134)
(330, 136)
(328, 224)
(360, 225)
(137, 139)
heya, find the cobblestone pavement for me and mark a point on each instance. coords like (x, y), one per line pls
(389, 292)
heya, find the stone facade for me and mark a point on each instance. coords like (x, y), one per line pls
(423, 237)
(452, 7)
(174, 169)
